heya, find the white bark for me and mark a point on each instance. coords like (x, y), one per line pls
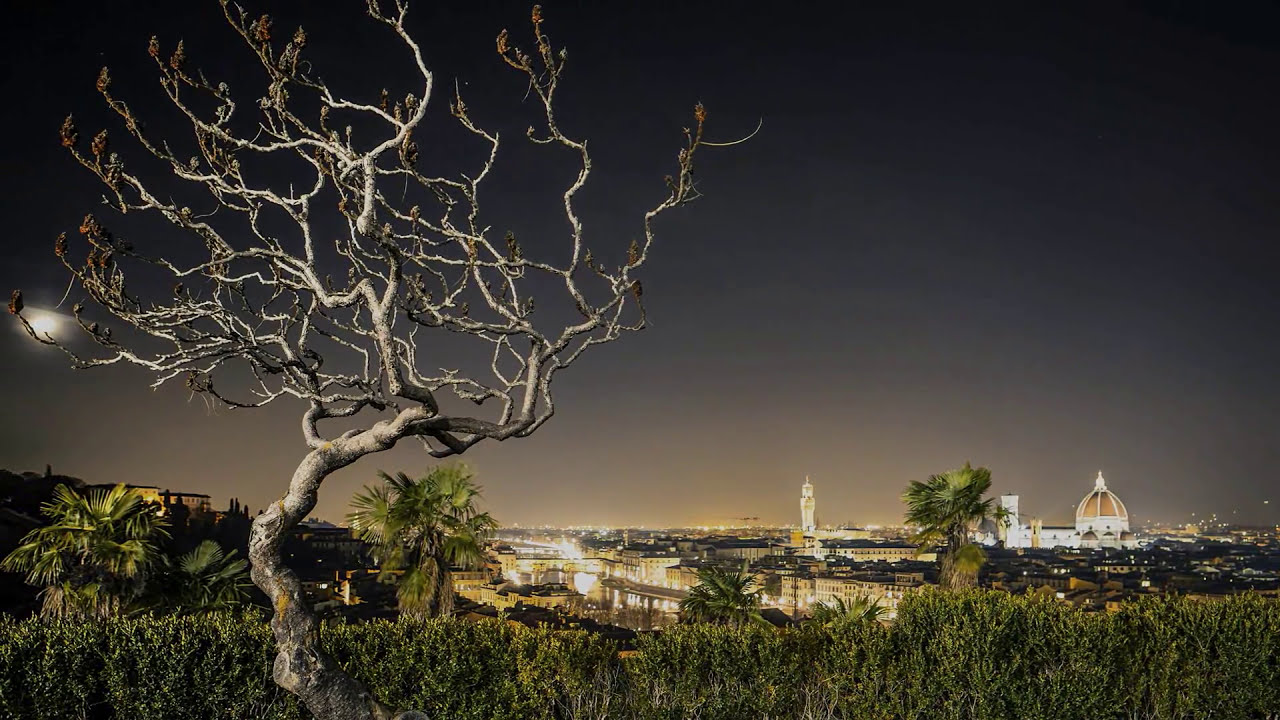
(268, 303)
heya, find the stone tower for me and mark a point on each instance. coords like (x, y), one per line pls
(807, 506)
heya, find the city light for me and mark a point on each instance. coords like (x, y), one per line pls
(583, 582)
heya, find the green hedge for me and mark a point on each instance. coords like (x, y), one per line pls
(968, 656)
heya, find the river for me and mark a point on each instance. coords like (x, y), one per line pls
(613, 601)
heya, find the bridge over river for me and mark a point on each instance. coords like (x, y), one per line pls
(607, 599)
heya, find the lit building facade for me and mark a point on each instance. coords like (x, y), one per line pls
(807, 506)
(886, 590)
(869, 551)
(749, 550)
(1102, 521)
(647, 566)
(194, 502)
(798, 590)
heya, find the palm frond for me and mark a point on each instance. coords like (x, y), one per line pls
(419, 527)
(946, 508)
(722, 597)
(93, 555)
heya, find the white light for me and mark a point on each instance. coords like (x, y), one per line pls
(44, 323)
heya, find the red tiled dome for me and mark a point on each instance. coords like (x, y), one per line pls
(1101, 503)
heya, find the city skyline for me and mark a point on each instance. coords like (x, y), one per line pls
(1037, 239)
(639, 360)
(1206, 518)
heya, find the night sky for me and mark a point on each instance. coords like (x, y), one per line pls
(1042, 239)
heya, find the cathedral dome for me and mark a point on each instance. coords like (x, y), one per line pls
(1101, 503)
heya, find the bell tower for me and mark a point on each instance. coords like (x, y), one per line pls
(807, 506)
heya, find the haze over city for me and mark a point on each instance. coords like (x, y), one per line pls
(1040, 239)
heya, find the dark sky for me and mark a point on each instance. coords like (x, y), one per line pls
(1038, 237)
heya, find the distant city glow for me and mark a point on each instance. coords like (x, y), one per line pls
(569, 550)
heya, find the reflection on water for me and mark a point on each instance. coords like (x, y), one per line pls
(607, 601)
(584, 582)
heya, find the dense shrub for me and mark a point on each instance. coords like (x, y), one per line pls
(455, 669)
(974, 656)
(177, 668)
(708, 671)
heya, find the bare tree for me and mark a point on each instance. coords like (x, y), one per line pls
(253, 287)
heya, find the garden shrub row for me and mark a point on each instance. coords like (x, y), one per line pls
(974, 655)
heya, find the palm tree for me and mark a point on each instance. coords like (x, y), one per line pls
(948, 508)
(419, 529)
(203, 580)
(855, 612)
(93, 556)
(723, 597)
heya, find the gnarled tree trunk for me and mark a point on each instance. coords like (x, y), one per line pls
(301, 666)
(251, 300)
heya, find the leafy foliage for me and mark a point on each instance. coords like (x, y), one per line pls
(418, 529)
(969, 655)
(723, 597)
(99, 556)
(93, 556)
(478, 670)
(203, 580)
(856, 611)
(721, 671)
(947, 508)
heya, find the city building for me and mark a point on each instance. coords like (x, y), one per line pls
(194, 502)
(467, 583)
(550, 595)
(334, 543)
(197, 502)
(749, 550)
(647, 566)
(885, 589)
(1101, 521)
(807, 506)
(682, 576)
(869, 551)
(797, 591)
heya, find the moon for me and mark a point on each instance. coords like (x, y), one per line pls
(44, 324)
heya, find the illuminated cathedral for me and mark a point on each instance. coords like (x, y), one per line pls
(1102, 521)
